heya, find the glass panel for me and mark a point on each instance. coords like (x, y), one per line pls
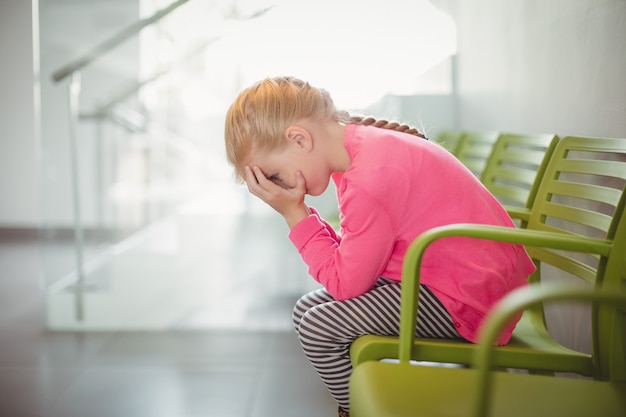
(168, 238)
(140, 158)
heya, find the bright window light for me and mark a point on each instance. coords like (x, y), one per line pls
(357, 50)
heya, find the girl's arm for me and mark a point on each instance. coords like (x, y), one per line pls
(349, 266)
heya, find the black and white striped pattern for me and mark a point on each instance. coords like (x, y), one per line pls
(327, 327)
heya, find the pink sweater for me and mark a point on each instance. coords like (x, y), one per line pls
(397, 187)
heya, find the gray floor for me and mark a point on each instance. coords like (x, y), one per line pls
(181, 373)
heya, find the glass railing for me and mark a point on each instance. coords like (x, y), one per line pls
(122, 157)
(144, 225)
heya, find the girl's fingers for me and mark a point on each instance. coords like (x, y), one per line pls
(260, 177)
(249, 175)
(251, 181)
(259, 185)
(254, 176)
(280, 198)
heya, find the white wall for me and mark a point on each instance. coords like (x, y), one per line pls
(555, 66)
(19, 206)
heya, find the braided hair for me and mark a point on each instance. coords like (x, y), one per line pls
(381, 123)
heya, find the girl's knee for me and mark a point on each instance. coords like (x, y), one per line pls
(306, 303)
(301, 307)
(320, 322)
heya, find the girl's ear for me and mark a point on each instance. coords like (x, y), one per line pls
(299, 136)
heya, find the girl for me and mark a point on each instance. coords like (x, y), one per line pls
(286, 139)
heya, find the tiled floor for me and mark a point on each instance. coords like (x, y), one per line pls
(188, 372)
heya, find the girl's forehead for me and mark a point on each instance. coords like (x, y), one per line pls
(262, 160)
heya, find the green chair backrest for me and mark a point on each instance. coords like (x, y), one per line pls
(515, 167)
(580, 195)
(474, 150)
(450, 140)
(610, 323)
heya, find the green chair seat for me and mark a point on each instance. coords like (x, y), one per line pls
(405, 390)
(449, 392)
(531, 347)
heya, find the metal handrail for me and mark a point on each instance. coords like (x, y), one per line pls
(81, 62)
(105, 109)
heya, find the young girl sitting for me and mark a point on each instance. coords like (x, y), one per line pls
(286, 139)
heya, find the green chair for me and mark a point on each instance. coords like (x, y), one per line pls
(515, 168)
(474, 150)
(403, 389)
(449, 140)
(578, 208)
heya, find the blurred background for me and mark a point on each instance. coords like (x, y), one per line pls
(118, 211)
(141, 223)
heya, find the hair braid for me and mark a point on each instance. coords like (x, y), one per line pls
(381, 123)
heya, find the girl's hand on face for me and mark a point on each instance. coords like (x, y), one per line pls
(289, 202)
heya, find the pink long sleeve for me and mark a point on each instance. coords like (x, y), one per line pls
(348, 266)
(397, 187)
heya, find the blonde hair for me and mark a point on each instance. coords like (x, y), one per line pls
(257, 119)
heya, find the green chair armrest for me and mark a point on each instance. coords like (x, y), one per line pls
(413, 260)
(519, 213)
(507, 308)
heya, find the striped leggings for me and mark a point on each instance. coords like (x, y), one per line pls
(326, 327)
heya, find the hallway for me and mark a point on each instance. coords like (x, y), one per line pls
(203, 367)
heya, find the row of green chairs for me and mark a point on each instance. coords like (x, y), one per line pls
(471, 148)
(510, 165)
(575, 223)
(515, 168)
